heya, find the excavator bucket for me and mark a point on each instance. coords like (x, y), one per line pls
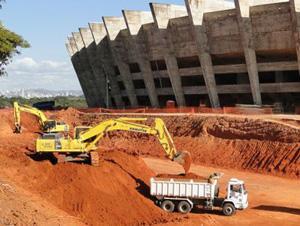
(18, 129)
(184, 158)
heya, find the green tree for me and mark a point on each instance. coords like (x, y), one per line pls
(10, 43)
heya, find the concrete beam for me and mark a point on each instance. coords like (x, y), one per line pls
(103, 55)
(100, 80)
(72, 48)
(98, 32)
(134, 21)
(113, 27)
(196, 9)
(264, 2)
(69, 49)
(286, 87)
(242, 68)
(295, 15)
(88, 72)
(162, 13)
(245, 27)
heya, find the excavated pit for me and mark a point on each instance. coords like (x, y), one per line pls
(117, 192)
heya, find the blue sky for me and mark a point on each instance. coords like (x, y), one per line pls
(46, 24)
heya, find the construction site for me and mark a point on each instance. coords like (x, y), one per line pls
(262, 150)
(181, 126)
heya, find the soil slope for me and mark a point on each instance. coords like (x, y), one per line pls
(249, 144)
(117, 192)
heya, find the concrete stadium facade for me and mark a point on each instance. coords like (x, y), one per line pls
(217, 53)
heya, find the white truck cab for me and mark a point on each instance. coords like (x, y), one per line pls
(236, 196)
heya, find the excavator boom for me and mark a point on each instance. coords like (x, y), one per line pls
(86, 141)
(46, 124)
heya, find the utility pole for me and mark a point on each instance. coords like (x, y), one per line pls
(107, 91)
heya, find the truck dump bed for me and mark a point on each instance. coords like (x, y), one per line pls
(167, 187)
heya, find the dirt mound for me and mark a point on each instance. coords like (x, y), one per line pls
(252, 144)
(28, 122)
(118, 188)
(182, 176)
(246, 129)
(20, 207)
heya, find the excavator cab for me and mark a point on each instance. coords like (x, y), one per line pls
(54, 126)
(49, 125)
(80, 129)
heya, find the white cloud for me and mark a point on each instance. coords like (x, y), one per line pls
(28, 73)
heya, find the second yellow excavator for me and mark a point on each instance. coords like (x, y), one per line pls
(47, 125)
(82, 147)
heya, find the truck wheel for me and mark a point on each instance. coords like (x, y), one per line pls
(228, 209)
(184, 207)
(167, 206)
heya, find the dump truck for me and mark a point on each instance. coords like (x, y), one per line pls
(185, 194)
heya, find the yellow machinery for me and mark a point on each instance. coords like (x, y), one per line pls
(47, 125)
(82, 147)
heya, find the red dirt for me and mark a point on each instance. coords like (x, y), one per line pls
(252, 144)
(116, 193)
(182, 176)
(118, 188)
(248, 144)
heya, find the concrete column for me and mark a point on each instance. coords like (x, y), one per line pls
(104, 57)
(134, 21)
(113, 26)
(84, 83)
(85, 64)
(295, 13)
(162, 13)
(95, 64)
(245, 27)
(196, 9)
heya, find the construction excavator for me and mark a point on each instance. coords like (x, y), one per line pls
(84, 144)
(47, 125)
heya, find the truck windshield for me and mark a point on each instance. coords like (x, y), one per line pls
(244, 188)
(236, 188)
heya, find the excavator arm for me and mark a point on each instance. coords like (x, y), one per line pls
(46, 124)
(94, 134)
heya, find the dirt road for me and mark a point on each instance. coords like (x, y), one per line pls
(272, 200)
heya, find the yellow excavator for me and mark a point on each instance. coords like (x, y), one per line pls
(84, 144)
(47, 125)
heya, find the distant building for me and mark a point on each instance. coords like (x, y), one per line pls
(217, 53)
